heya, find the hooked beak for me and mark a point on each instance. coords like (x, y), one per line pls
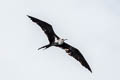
(65, 39)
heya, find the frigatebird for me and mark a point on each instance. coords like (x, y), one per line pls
(54, 40)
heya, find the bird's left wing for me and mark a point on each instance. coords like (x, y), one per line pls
(46, 27)
(76, 54)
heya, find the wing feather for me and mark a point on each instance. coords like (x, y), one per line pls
(47, 28)
(75, 53)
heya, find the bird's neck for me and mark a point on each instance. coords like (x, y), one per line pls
(60, 41)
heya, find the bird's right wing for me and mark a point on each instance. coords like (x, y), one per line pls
(47, 28)
(76, 54)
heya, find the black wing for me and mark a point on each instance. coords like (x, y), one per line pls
(47, 28)
(75, 53)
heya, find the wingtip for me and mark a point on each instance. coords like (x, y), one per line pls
(87, 67)
(28, 16)
(90, 69)
(33, 18)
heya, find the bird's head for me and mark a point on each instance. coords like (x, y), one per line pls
(64, 39)
(61, 41)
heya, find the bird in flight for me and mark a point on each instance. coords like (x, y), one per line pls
(56, 41)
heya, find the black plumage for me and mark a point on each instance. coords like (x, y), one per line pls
(76, 54)
(47, 28)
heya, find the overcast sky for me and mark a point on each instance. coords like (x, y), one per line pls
(92, 26)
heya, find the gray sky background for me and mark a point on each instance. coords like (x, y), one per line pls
(92, 26)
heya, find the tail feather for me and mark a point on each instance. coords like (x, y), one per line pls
(45, 47)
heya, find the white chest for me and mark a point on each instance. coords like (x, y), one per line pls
(60, 41)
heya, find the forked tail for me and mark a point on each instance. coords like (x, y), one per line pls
(45, 47)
